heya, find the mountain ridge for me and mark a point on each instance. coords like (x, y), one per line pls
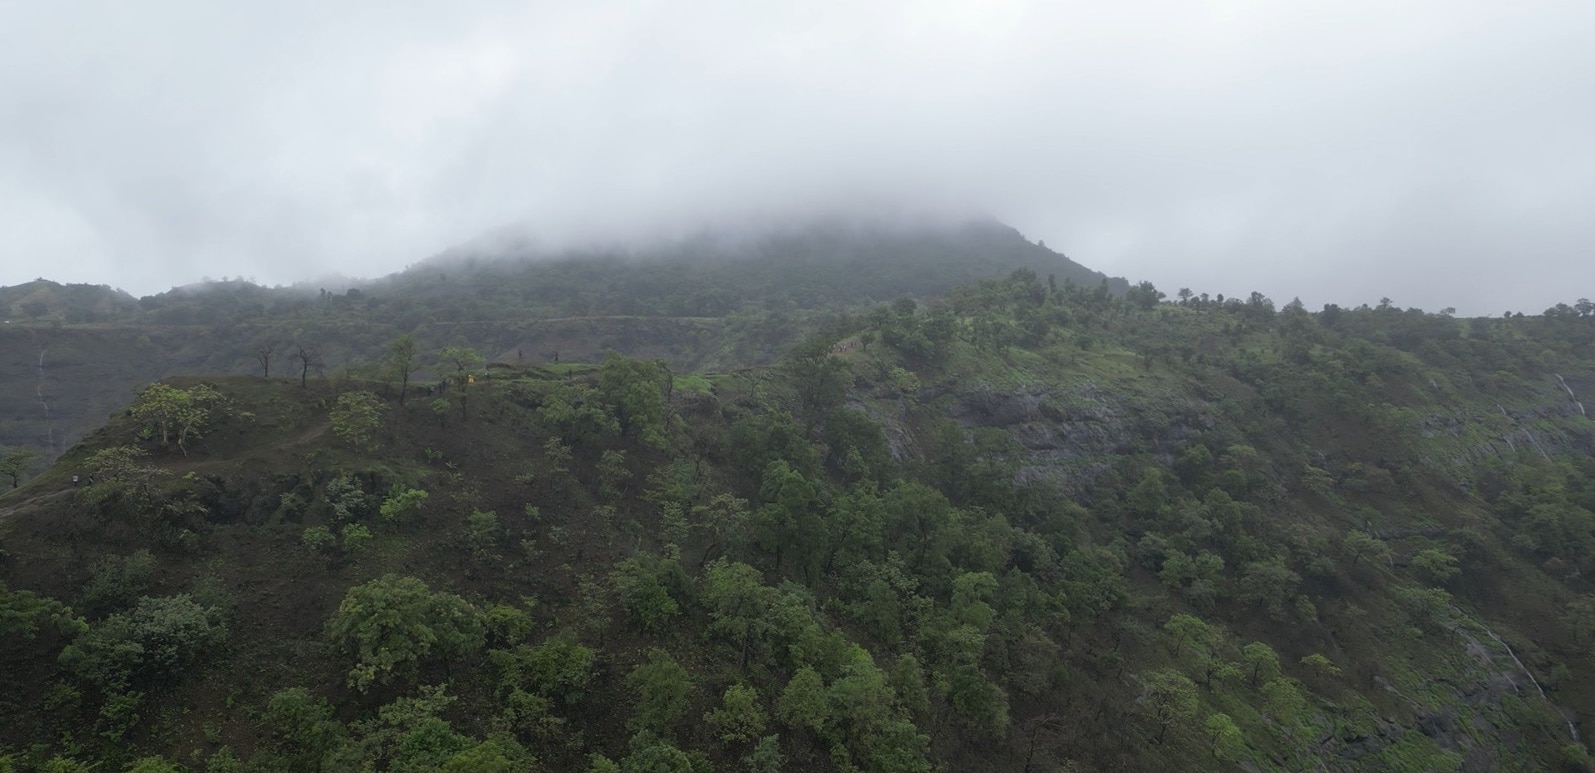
(720, 309)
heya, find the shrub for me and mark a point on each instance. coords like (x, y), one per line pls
(116, 582)
(318, 538)
(356, 418)
(394, 623)
(402, 503)
(157, 639)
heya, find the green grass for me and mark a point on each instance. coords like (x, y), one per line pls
(692, 383)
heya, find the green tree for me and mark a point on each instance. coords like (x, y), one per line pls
(507, 625)
(652, 754)
(637, 390)
(803, 702)
(860, 700)
(117, 581)
(155, 765)
(1283, 701)
(739, 604)
(402, 503)
(577, 412)
(482, 531)
(410, 735)
(644, 594)
(780, 523)
(907, 680)
(23, 612)
(318, 538)
(1169, 699)
(1318, 664)
(1429, 608)
(156, 639)
(1189, 630)
(305, 729)
(979, 701)
(1435, 564)
(120, 475)
(663, 689)
(491, 756)
(1580, 617)
(559, 669)
(766, 757)
(1363, 546)
(1271, 584)
(740, 717)
(60, 764)
(612, 473)
(815, 373)
(355, 537)
(899, 746)
(177, 415)
(1225, 738)
(1262, 662)
(393, 623)
(720, 523)
(356, 417)
(16, 464)
(458, 362)
(401, 362)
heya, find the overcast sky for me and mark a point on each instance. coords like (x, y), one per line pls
(1439, 152)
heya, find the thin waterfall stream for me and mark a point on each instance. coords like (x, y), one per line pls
(38, 392)
(1571, 396)
(1572, 730)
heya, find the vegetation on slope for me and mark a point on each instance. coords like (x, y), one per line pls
(70, 354)
(1029, 526)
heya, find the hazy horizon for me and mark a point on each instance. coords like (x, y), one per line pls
(1435, 153)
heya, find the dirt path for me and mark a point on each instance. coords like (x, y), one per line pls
(183, 465)
(30, 502)
(303, 437)
(189, 464)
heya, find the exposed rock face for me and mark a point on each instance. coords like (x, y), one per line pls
(1070, 435)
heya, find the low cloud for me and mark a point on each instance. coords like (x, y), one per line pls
(1433, 152)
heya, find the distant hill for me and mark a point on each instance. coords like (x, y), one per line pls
(73, 353)
(825, 264)
(45, 301)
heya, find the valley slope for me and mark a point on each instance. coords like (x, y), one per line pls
(1025, 525)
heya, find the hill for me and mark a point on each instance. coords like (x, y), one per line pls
(71, 354)
(44, 301)
(1018, 527)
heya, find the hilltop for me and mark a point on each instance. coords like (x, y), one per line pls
(1026, 525)
(71, 354)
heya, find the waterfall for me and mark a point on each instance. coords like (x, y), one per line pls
(1571, 729)
(38, 392)
(1565, 388)
(1527, 433)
